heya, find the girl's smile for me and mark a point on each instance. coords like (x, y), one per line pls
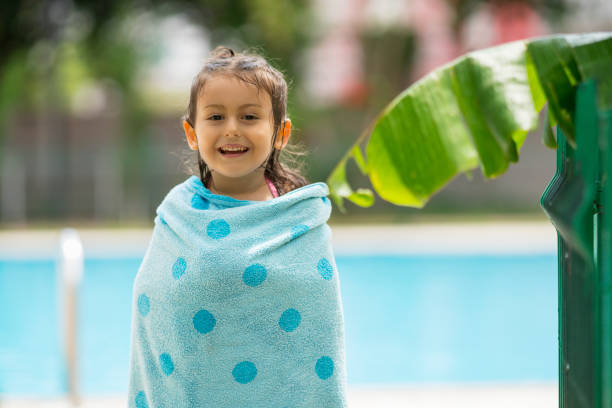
(233, 150)
(230, 153)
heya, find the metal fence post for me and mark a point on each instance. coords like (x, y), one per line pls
(575, 201)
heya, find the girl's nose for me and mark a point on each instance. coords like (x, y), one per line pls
(231, 127)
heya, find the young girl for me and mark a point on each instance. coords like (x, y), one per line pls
(237, 300)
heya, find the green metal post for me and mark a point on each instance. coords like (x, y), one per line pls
(575, 202)
(605, 261)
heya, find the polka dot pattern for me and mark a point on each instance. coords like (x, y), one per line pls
(166, 364)
(325, 268)
(141, 400)
(298, 230)
(290, 320)
(204, 321)
(324, 367)
(218, 229)
(143, 304)
(199, 203)
(178, 269)
(244, 372)
(254, 275)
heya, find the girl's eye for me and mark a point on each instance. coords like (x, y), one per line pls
(220, 117)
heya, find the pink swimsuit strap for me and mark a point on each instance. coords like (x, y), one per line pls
(272, 187)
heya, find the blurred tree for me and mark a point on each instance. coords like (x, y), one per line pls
(274, 29)
(281, 28)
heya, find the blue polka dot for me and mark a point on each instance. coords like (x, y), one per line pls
(244, 372)
(199, 203)
(325, 268)
(218, 228)
(325, 200)
(324, 367)
(143, 304)
(165, 361)
(204, 321)
(141, 400)
(290, 320)
(298, 230)
(254, 275)
(178, 269)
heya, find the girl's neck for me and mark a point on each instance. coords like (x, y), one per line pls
(252, 189)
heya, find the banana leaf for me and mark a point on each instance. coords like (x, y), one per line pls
(474, 111)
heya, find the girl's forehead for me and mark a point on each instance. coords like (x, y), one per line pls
(231, 91)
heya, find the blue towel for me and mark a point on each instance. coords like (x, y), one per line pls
(237, 304)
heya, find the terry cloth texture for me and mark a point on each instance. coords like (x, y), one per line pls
(237, 304)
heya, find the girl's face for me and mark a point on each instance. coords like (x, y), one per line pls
(233, 112)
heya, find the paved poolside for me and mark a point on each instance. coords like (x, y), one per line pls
(426, 396)
(503, 237)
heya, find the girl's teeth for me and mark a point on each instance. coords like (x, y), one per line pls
(233, 151)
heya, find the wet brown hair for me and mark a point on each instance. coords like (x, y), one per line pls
(253, 69)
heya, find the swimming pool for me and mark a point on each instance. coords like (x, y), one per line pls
(409, 318)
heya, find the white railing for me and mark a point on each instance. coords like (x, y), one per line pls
(70, 273)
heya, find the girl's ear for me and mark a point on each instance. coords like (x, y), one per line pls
(192, 140)
(284, 133)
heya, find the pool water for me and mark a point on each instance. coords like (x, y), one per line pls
(408, 319)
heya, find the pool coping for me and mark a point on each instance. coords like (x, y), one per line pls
(501, 238)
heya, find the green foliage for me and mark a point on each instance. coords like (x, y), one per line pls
(474, 111)
(108, 48)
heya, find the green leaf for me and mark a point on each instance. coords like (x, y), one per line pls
(558, 73)
(339, 187)
(539, 98)
(358, 156)
(407, 139)
(548, 138)
(474, 111)
(478, 109)
(493, 92)
(593, 53)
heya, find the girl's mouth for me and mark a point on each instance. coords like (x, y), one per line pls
(232, 153)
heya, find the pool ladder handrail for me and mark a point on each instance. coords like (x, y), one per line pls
(70, 274)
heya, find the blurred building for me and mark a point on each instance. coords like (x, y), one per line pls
(334, 69)
(334, 66)
(497, 23)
